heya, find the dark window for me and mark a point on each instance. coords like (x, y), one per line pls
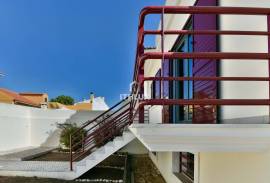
(156, 87)
(186, 167)
(46, 99)
(153, 90)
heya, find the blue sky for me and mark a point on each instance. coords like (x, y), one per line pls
(70, 47)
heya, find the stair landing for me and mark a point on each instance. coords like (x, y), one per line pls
(26, 154)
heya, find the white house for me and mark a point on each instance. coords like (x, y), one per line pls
(206, 115)
(201, 142)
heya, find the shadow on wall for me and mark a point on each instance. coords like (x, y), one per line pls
(78, 118)
(53, 138)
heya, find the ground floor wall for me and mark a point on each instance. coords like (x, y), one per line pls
(234, 167)
(164, 163)
(218, 167)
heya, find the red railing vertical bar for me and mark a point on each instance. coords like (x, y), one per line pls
(162, 50)
(268, 29)
(162, 60)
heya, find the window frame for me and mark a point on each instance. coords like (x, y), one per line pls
(178, 171)
(182, 114)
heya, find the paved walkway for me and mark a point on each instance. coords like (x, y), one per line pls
(36, 166)
(26, 154)
(13, 164)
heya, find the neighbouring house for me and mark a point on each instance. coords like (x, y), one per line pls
(39, 98)
(11, 97)
(92, 104)
(56, 105)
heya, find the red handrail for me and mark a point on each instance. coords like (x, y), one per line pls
(106, 126)
(142, 57)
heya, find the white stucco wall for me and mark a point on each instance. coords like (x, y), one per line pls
(43, 127)
(14, 127)
(244, 90)
(22, 126)
(172, 22)
(155, 114)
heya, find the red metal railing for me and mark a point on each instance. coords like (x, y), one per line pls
(142, 57)
(99, 131)
(111, 123)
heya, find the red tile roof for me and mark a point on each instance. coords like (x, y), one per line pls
(18, 98)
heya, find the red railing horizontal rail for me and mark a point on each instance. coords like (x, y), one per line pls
(206, 78)
(204, 102)
(212, 56)
(206, 32)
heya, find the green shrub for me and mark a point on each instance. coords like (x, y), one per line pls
(67, 130)
(63, 99)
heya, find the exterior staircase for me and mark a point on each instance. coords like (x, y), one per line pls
(101, 137)
(102, 153)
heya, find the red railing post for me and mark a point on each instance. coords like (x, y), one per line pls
(141, 70)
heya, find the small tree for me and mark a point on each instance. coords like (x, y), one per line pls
(63, 99)
(67, 130)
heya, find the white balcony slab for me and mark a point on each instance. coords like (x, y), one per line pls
(204, 137)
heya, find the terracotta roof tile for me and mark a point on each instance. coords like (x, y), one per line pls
(18, 98)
